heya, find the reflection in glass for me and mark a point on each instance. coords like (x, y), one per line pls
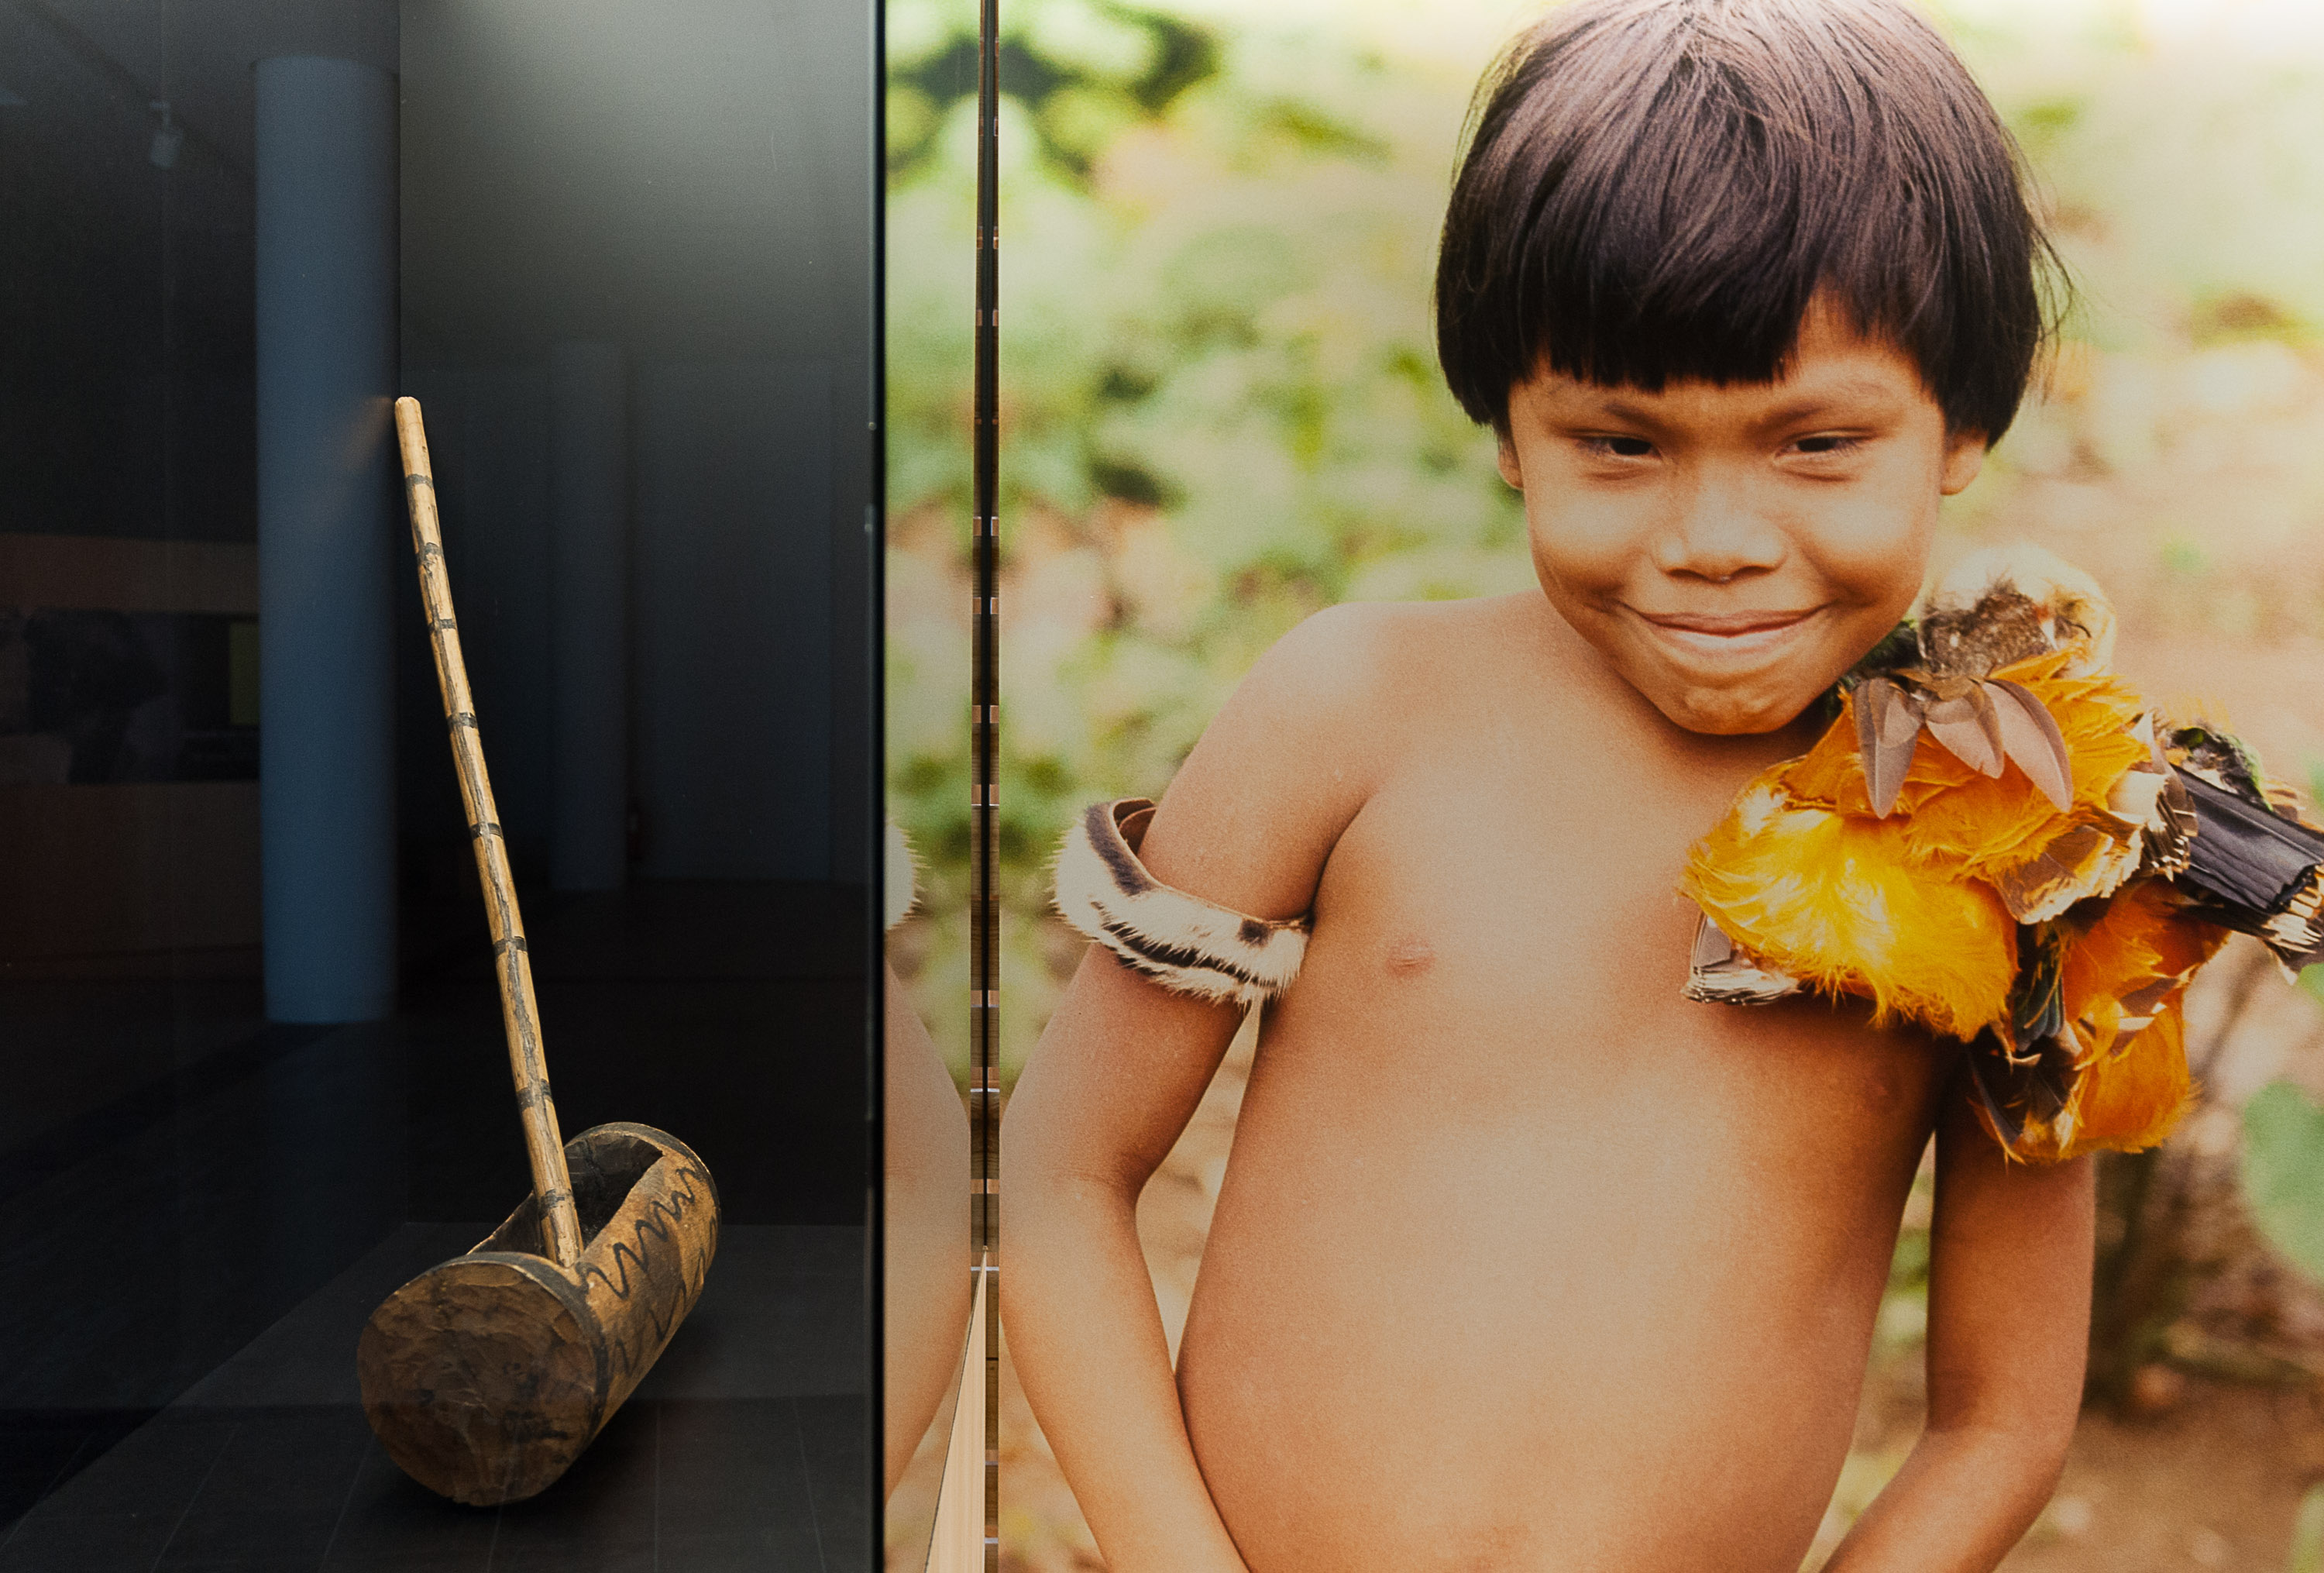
(940, 669)
(928, 1271)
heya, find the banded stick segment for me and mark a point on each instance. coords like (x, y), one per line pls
(552, 1184)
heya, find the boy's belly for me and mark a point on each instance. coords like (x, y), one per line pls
(1611, 1316)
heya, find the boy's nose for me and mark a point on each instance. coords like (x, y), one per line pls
(1716, 533)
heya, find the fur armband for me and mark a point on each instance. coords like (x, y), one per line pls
(1995, 838)
(900, 876)
(1183, 943)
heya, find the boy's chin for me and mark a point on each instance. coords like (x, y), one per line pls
(1715, 713)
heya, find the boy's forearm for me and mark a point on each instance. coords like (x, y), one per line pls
(1088, 1349)
(2009, 1313)
(1963, 1498)
(1120, 1069)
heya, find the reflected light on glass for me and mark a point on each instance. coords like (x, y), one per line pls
(168, 138)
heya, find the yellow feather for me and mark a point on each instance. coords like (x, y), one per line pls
(2131, 1099)
(1965, 824)
(2132, 1089)
(1833, 900)
(1802, 876)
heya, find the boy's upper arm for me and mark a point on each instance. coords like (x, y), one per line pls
(1248, 823)
(2009, 1289)
(1254, 812)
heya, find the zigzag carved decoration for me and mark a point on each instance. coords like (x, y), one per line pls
(654, 1223)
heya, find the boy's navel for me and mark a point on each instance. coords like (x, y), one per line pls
(1410, 957)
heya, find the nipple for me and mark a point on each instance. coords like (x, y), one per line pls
(1411, 957)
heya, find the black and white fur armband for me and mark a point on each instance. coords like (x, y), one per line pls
(900, 876)
(1183, 943)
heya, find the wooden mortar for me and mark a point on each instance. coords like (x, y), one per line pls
(485, 1377)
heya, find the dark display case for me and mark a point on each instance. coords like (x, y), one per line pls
(253, 1067)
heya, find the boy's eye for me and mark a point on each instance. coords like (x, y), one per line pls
(1620, 446)
(1825, 444)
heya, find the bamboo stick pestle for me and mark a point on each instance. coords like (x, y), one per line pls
(552, 1185)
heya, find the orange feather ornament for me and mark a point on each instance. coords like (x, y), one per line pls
(1992, 842)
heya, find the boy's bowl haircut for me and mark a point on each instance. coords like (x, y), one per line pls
(1652, 190)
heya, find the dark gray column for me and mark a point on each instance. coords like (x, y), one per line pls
(589, 614)
(329, 535)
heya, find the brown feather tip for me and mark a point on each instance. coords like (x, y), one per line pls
(1965, 724)
(1720, 974)
(1887, 729)
(2030, 737)
(1984, 723)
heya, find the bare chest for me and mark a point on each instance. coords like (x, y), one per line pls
(1511, 871)
(1499, 936)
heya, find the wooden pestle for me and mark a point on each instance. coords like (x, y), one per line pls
(552, 1185)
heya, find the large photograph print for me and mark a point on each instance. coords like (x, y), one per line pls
(1223, 412)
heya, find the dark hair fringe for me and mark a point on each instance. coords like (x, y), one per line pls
(1654, 190)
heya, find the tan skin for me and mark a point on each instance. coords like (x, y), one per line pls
(1521, 1261)
(926, 1281)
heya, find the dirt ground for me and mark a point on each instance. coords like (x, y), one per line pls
(2212, 1485)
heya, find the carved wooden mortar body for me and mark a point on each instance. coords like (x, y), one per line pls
(485, 1377)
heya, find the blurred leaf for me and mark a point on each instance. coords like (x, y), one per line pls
(2039, 123)
(1100, 40)
(1313, 130)
(2283, 1173)
(2308, 1534)
(1087, 68)
(2238, 315)
(2183, 556)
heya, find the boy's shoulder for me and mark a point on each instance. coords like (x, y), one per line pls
(1371, 653)
(1337, 706)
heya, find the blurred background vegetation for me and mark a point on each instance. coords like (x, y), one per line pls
(1221, 412)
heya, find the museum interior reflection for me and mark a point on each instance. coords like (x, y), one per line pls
(251, 1068)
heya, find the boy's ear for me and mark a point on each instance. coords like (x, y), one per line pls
(1511, 471)
(1964, 458)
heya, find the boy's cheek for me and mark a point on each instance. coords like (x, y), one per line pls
(1879, 560)
(1588, 556)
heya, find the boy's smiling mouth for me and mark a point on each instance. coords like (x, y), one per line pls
(1726, 636)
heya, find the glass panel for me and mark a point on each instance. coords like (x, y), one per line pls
(936, 1442)
(257, 1017)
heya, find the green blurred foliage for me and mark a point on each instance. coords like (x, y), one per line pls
(2283, 1173)
(2308, 1534)
(1904, 1321)
(1086, 70)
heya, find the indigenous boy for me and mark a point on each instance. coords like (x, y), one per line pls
(1521, 1261)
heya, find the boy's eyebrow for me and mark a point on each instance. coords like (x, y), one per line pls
(1844, 389)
